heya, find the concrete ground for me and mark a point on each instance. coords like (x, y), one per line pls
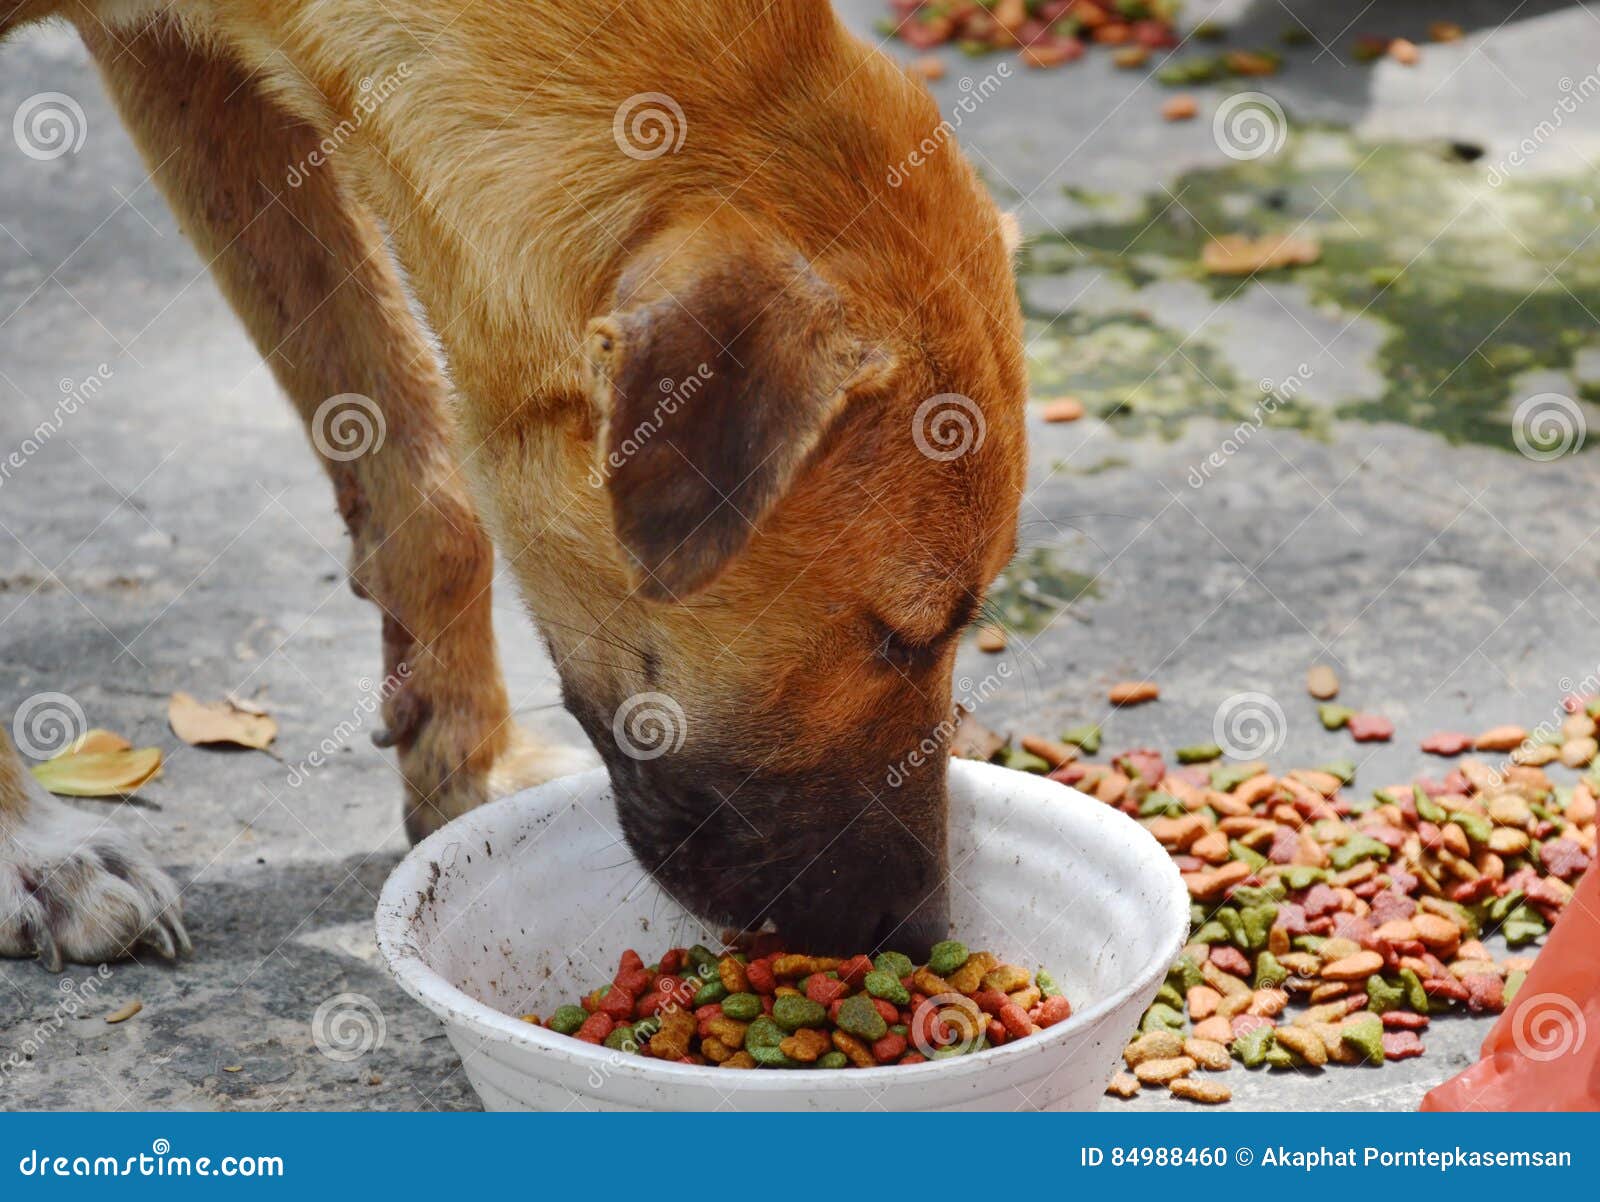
(1210, 535)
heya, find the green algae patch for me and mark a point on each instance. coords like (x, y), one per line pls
(1472, 278)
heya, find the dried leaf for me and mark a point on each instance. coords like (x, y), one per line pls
(94, 742)
(972, 739)
(100, 773)
(1234, 254)
(201, 722)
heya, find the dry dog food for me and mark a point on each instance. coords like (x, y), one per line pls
(1328, 927)
(1046, 32)
(760, 1006)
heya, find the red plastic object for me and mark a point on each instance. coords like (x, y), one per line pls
(1544, 1052)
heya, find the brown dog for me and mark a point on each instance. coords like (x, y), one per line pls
(744, 416)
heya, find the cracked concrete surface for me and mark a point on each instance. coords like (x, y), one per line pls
(178, 535)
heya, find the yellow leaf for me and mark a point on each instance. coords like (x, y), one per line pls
(1234, 254)
(94, 742)
(199, 722)
(99, 774)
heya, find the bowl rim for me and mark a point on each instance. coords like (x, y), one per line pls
(457, 1008)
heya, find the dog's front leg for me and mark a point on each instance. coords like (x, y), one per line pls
(72, 885)
(307, 270)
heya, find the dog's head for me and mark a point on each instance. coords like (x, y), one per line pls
(812, 464)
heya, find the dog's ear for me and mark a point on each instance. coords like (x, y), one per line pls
(716, 377)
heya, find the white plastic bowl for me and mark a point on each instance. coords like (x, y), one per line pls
(527, 902)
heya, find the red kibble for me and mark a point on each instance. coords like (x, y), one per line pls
(1401, 1045)
(854, 971)
(1230, 959)
(1243, 1024)
(674, 960)
(1370, 728)
(913, 1058)
(887, 1009)
(1404, 1020)
(990, 1000)
(1051, 1011)
(1016, 1020)
(996, 1031)
(1445, 987)
(595, 1028)
(1485, 993)
(889, 1049)
(759, 974)
(1447, 742)
(617, 1004)
(825, 989)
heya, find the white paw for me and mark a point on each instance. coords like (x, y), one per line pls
(74, 887)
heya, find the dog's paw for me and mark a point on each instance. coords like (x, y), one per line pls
(74, 888)
(529, 762)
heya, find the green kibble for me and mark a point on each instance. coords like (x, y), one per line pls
(791, 1013)
(568, 1019)
(1269, 973)
(1477, 827)
(1257, 923)
(1428, 809)
(1514, 982)
(1234, 925)
(711, 991)
(1364, 1035)
(1199, 753)
(763, 1033)
(1161, 805)
(885, 985)
(1251, 1048)
(1211, 932)
(899, 1029)
(833, 1060)
(1239, 851)
(1522, 926)
(1356, 848)
(1161, 1017)
(621, 1039)
(701, 956)
(1085, 738)
(1383, 996)
(1279, 1057)
(1184, 974)
(742, 1006)
(1225, 778)
(1168, 995)
(895, 964)
(1210, 31)
(1333, 717)
(1302, 876)
(947, 956)
(1048, 987)
(1344, 769)
(859, 1017)
(1416, 995)
(1308, 943)
(770, 1057)
(1025, 761)
(1500, 907)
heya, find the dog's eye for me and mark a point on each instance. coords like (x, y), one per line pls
(899, 650)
